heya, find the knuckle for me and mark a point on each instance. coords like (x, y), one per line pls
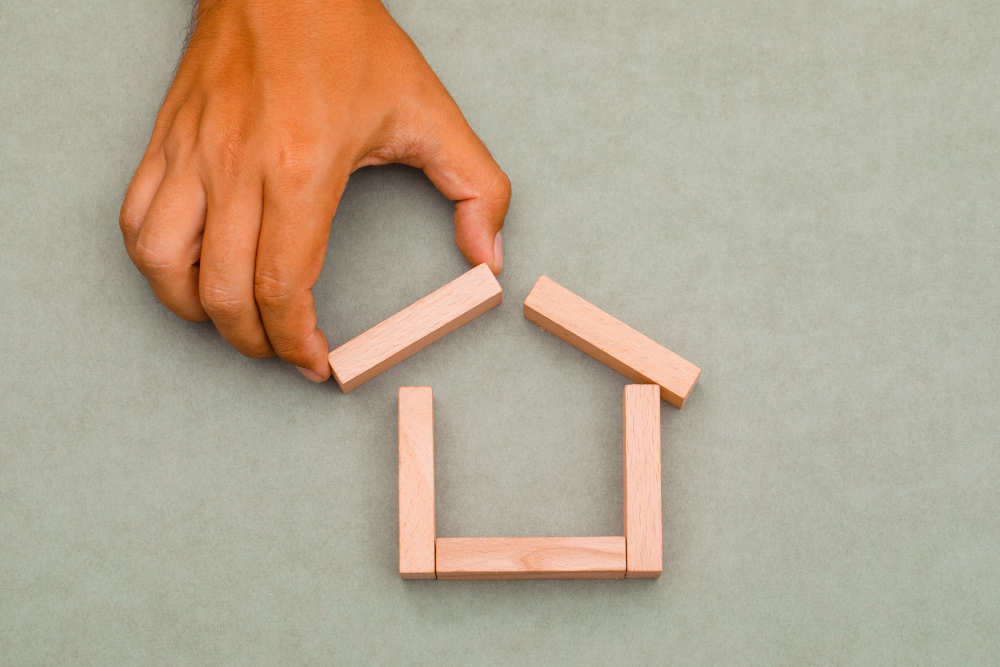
(155, 257)
(234, 314)
(221, 301)
(505, 186)
(271, 289)
(295, 164)
(229, 149)
(178, 144)
(291, 332)
(500, 191)
(292, 343)
(129, 220)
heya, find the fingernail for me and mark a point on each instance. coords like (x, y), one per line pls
(498, 252)
(312, 375)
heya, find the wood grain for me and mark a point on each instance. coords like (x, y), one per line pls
(416, 483)
(415, 327)
(643, 517)
(530, 557)
(588, 328)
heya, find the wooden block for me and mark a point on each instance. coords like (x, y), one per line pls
(588, 328)
(530, 557)
(416, 483)
(643, 518)
(415, 327)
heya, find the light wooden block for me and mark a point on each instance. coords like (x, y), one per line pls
(643, 517)
(530, 557)
(415, 327)
(416, 483)
(588, 328)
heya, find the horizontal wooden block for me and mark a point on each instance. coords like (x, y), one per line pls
(588, 328)
(415, 327)
(530, 558)
(643, 518)
(416, 483)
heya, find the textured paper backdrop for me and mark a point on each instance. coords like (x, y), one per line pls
(801, 198)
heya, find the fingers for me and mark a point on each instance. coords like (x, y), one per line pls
(461, 167)
(295, 229)
(168, 243)
(228, 256)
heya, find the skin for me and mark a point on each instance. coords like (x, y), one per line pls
(274, 105)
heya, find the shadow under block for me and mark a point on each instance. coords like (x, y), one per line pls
(643, 518)
(530, 558)
(416, 483)
(415, 327)
(610, 341)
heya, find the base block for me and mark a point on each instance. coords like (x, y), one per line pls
(530, 558)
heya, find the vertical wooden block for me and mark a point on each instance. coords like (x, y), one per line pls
(416, 483)
(415, 327)
(588, 328)
(643, 518)
(530, 558)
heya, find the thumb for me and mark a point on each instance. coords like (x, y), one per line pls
(461, 167)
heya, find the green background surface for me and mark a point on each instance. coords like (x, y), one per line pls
(801, 198)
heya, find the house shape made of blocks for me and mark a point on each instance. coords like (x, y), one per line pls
(659, 373)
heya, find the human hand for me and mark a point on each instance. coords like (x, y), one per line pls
(274, 104)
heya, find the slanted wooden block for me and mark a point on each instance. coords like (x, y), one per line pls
(643, 519)
(415, 327)
(588, 328)
(416, 483)
(530, 557)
